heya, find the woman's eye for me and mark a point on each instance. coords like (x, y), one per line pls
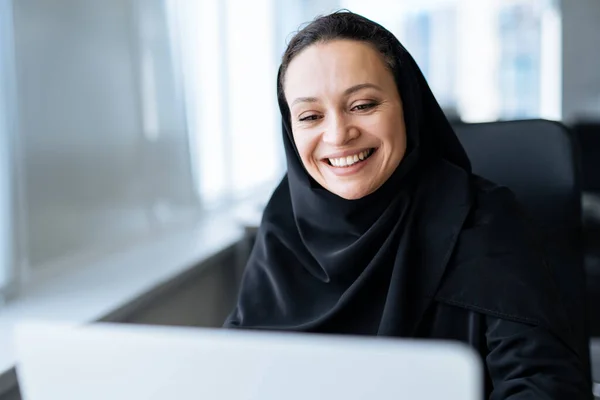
(363, 107)
(312, 117)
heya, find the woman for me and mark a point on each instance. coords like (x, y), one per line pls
(380, 228)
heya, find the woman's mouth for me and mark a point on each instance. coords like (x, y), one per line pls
(350, 160)
(351, 164)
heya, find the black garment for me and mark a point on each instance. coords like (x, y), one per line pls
(522, 361)
(435, 252)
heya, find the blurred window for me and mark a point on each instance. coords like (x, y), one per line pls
(488, 60)
(230, 52)
(100, 156)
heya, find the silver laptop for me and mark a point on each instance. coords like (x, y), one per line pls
(125, 362)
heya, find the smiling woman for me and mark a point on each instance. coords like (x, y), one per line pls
(380, 227)
(347, 117)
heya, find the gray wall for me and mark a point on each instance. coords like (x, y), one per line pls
(581, 58)
(203, 297)
(12, 395)
(101, 162)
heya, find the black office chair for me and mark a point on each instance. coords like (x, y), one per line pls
(587, 132)
(539, 161)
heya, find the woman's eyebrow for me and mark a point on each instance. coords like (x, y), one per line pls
(304, 100)
(347, 92)
(361, 86)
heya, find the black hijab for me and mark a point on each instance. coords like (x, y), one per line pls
(372, 266)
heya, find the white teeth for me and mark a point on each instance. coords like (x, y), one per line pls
(349, 160)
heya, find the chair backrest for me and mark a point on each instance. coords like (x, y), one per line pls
(539, 161)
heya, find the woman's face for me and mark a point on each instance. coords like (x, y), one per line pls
(346, 116)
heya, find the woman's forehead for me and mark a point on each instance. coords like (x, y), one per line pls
(334, 66)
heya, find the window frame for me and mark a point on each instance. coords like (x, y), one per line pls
(12, 265)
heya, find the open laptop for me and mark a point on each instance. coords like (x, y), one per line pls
(125, 362)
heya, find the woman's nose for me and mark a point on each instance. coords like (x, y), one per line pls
(338, 132)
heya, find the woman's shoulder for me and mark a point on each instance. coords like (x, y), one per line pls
(496, 239)
(498, 223)
(496, 230)
(492, 203)
(497, 266)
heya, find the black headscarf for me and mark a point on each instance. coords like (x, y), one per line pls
(372, 266)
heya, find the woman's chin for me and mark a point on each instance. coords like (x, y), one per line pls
(350, 191)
